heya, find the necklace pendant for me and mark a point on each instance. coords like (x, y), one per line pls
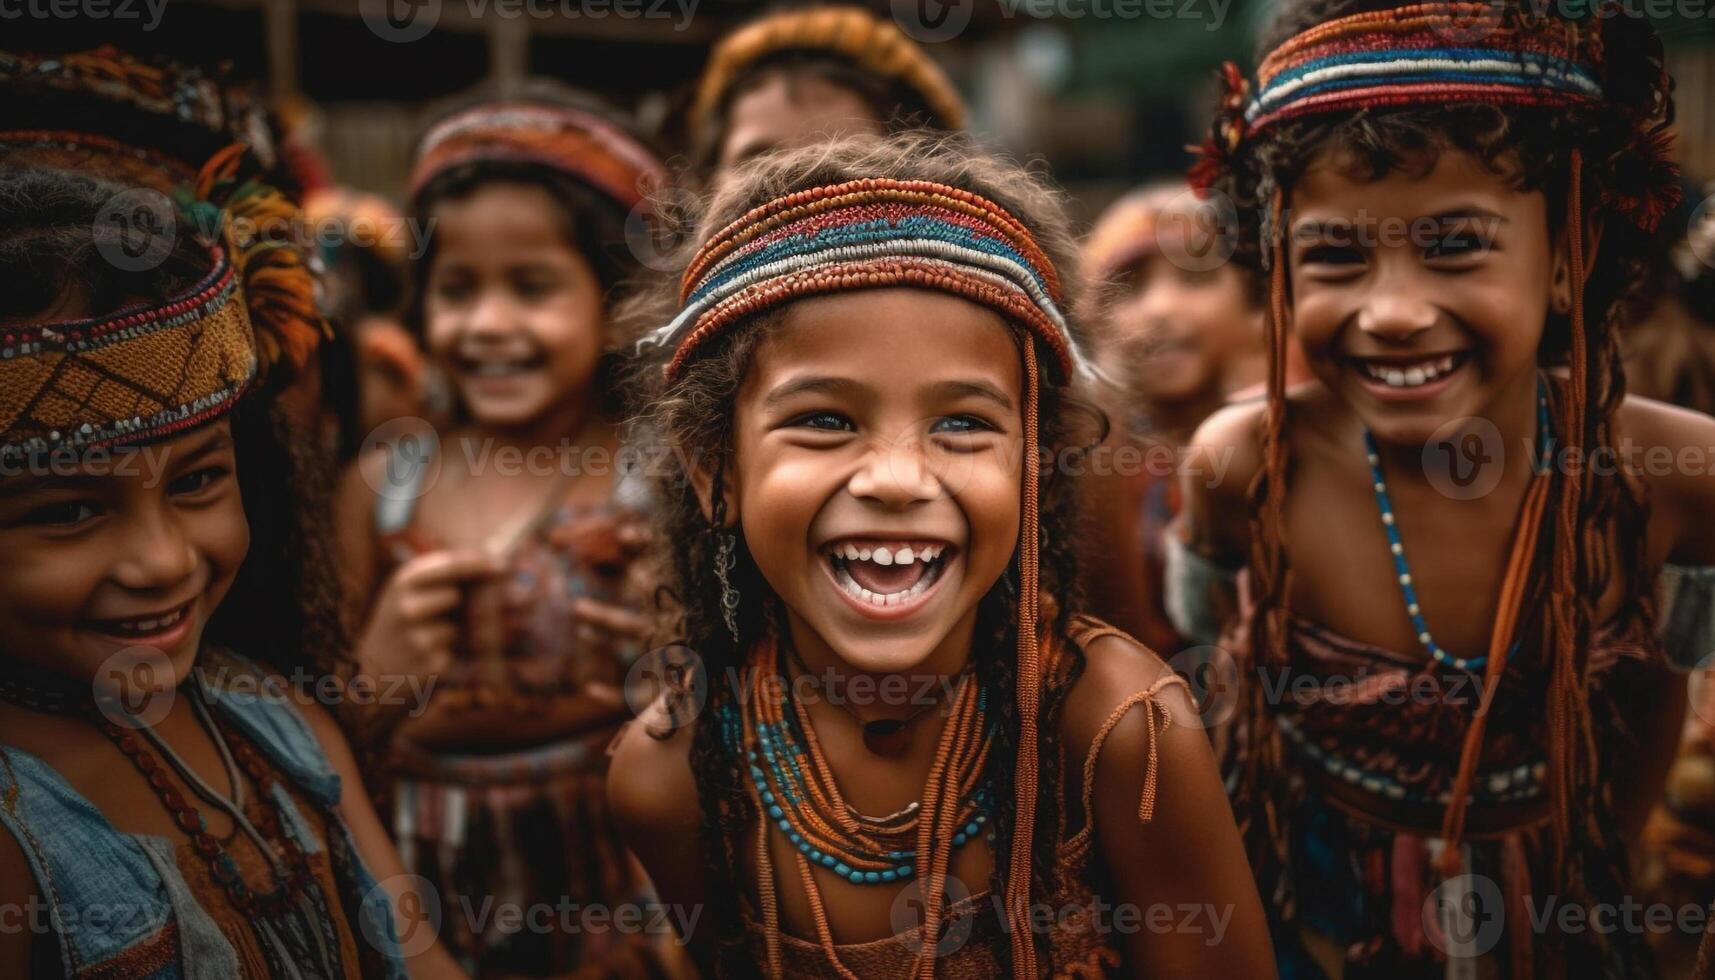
(888, 736)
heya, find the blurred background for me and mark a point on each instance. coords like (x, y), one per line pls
(1108, 92)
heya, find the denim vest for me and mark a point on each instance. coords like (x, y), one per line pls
(117, 903)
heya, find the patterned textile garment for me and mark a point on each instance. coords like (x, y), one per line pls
(134, 905)
(527, 827)
(973, 938)
(1370, 741)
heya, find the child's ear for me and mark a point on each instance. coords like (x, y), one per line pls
(1560, 286)
(703, 483)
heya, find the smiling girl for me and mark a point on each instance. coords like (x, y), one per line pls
(165, 813)
(866, 359)
(496, 556)
(1442, 561)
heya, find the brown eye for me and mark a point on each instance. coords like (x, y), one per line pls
(64, 514)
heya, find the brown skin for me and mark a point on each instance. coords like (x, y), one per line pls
(925, 447)
(1402, 301)
(1176, 341)
(505, 288)
(110, 544)
(782, 112)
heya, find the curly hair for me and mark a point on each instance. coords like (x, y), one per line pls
(1595, 149)
(694, 415)
(283, 607)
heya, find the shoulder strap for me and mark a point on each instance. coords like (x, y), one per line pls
(1156, 723)
(396, 505)
(260, 704)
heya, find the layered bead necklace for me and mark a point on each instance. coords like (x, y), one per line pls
(1544, 446)
(797, 791)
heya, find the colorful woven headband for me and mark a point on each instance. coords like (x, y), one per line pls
(135, 376)
(578, 143)
(868, 234)
(1433, 52)
(852, 33)
(1440, 54)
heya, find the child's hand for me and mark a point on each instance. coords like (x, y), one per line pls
(416, 618)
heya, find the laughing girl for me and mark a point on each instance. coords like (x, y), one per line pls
(867, 357)
(1455, 539)
(167, 809)
(499, 562)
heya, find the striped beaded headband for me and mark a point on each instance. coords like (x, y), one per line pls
(1423, 53)
(868, 234)
(566, 139)
(139, 375)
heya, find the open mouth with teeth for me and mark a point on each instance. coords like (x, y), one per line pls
(500, 368)
(887, 574)
(144, 627)
(1413, 374)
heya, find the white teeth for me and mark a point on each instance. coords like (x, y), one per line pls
(904, 556)
(851, 552)
(863, 554)
(1411, 375)
(882, 557)
(852, 588)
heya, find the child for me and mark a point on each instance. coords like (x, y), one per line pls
(795, 77)
(869, 354)
(1178, 330)
(161, 818)
(499, 563)
(1451, 631)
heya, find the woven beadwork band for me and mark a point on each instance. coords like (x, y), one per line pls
(1434, 52)
(132, 377)
(578, 143)
(870, 234)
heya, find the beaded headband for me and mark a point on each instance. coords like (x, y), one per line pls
(135, 376)
(578, 143)
(1432, 54)
(869, 234)
(194, 151)
(875, 45)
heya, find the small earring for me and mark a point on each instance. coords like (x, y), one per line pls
(726, 559)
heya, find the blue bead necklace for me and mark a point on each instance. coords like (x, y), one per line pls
(797, 793)
(1544, 447)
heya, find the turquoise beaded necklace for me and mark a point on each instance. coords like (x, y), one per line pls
(1544, 447)
(777, 759)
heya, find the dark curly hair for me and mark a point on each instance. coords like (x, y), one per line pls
(694, 415)
(283, 607)
(1612, 146)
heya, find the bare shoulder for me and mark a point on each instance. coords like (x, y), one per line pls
(649, 781)
(1226, 450)
(1674, 450)
(1117, 670)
